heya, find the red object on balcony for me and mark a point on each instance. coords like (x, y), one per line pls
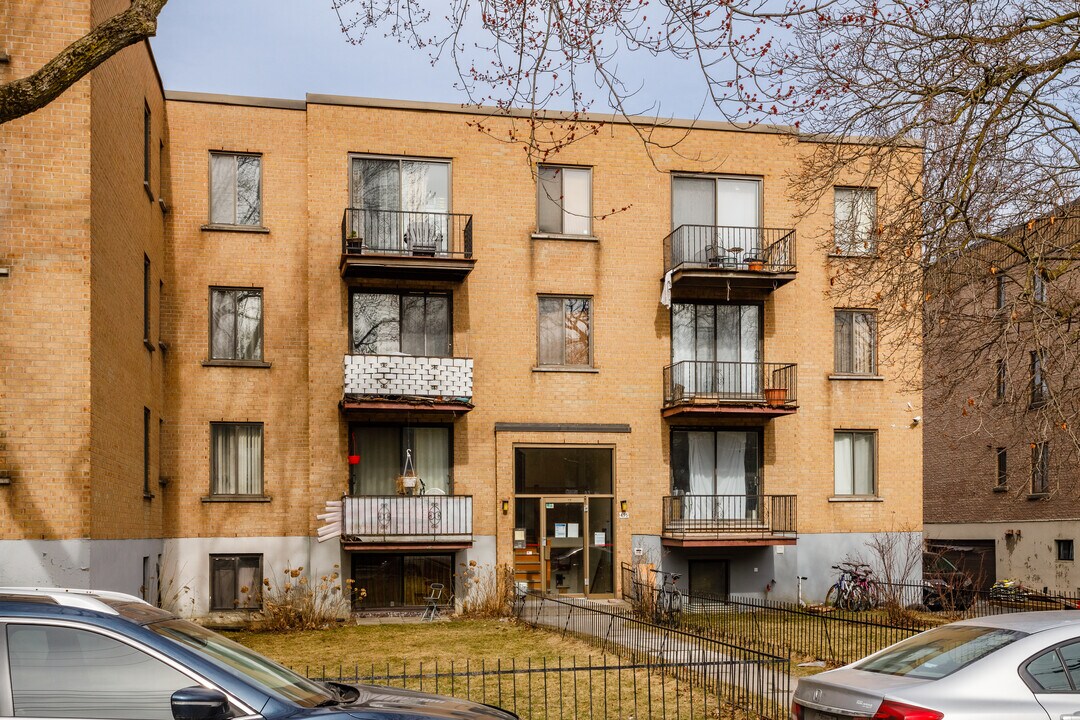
(354, 459)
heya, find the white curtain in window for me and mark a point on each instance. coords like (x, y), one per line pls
(863, 452)
(237, 459)
(431, 456)
(863, 331)
(853, 217)
(843, 472)
(702, 447)
(693, 204)
(575, 201)
(223, 189)
(731, 474)
(738, 212)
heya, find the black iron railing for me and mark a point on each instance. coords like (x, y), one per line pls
(773, 384)
(750, 249)
(702, 517)
(408, 518)
(401, 232)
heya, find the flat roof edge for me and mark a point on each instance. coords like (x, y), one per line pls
(199, 97)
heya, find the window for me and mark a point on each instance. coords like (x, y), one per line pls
(1064, 549)
(855, 342)
(564, 200)
(63, 672)
(716, 474)
(1039, 391)
(235, 189)
(146, 452)
(146, 147)
(716, 350)
(1038, 287)
(999, 298)
(940, 652)
(416, 324)
(565, 329)
(854, 465)
(855, 211)
(715, 221)
(236, 466)
(236, 328)
(1048, 673)
(146, 303)
(394, 580)
(402, 204)
(1040, 468)
(1002, 467)
(382, 450)
(236, 582)
(999, 390)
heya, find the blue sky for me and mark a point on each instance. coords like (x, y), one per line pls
(287, 48)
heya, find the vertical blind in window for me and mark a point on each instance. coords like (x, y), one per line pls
(236, 582)
(855, 342)
(236, 324)
(853, 458)
(235, 189)
(237, 458)
(382, 457)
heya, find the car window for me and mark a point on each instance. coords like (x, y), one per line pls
(62, 672)
(1048, 674)
(939, 652)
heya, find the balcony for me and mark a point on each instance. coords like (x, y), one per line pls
(729, 520)
(711, 262)
(407, 383)
(695, 388)
(406, 521)
(406, 245)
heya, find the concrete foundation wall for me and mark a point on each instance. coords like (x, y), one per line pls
(98, 564)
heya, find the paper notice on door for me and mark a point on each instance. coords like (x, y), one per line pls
(599, 538)
(573, 530)
(560, 530)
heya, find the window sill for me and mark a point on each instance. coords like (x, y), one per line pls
(149, 192)
(565, 369)
(1000, 489)
(148, 345)
(210, 227)
(147, 496)
(855, 498)
(853, 376)
(560, 236)
(236, 363)
(852, 256)
(236, 499)
(1038, 496)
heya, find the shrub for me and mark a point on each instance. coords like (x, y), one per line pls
(296, 603)
(486, 590)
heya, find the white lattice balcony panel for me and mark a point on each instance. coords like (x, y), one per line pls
(407, 375)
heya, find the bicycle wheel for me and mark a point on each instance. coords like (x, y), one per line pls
(832, 598)
(676, 606)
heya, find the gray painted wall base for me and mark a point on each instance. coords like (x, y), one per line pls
(99, 564)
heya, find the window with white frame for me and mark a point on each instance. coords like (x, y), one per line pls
(236, 451)
(236, 328)
(855, 215)
(235, 189)
(565, 328)
(855, 342)
(854, 465)
(564, 200)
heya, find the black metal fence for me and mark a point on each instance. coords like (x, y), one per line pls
(401, 232)
(751, 383)
(574, 688)
(713, 516)
(746, 682)
(730, 248)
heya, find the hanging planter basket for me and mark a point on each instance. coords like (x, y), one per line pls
(408, 479)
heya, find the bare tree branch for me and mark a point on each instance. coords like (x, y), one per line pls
(26, 95)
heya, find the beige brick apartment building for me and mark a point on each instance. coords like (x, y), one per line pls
(347, 286)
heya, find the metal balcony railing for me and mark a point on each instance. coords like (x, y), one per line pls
(406, 233)
(773, 384)
(407, 518)
(748, 249)
(717, 516)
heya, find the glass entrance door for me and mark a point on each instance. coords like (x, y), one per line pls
(564, 548)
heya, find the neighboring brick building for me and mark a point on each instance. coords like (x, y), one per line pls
(1000, 451)
(346, 280)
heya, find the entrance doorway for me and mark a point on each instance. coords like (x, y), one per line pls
(564, 544)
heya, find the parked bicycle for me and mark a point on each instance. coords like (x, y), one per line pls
(669, 599)
(854, 589)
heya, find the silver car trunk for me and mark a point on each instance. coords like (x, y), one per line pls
(848, 692)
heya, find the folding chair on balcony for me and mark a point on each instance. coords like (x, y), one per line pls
(432, 610)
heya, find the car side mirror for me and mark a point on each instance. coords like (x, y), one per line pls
(199, 703)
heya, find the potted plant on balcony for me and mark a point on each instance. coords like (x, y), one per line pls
(754, 264)
(776, 397)
(408, 479)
